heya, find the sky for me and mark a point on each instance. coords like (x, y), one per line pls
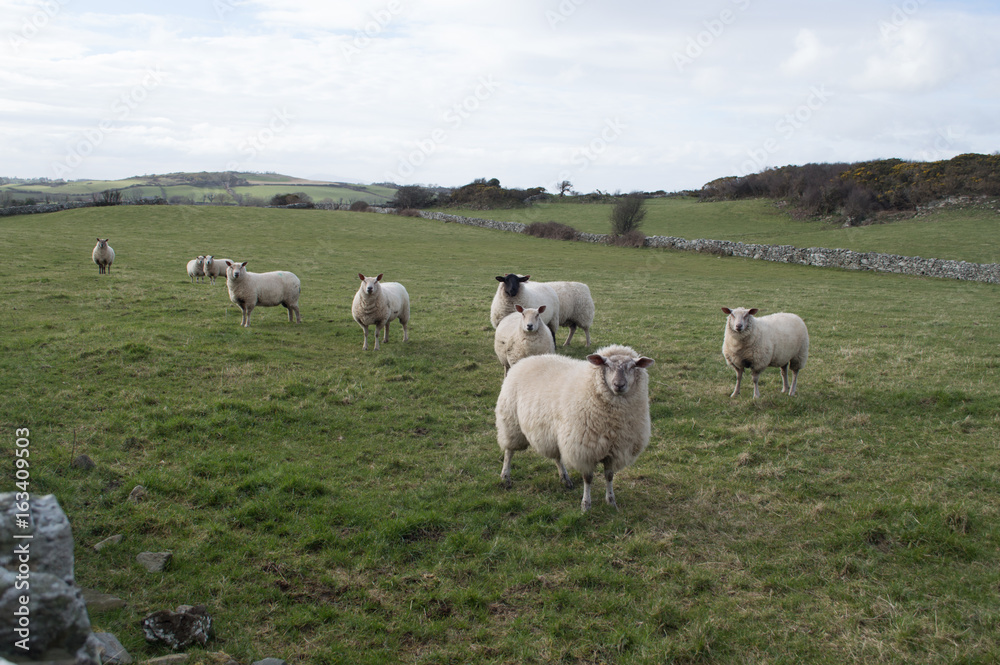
(611, 96)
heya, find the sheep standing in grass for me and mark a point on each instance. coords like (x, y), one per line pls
(576, 307)
(267, 289)
(580, 413)
(214, 267)
(776, 340)
(196, 269)
(516, 290)
(377, 304)
(522, 334)
(103, 256)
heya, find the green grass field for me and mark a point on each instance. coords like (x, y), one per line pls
(969, 234)
(334, 506)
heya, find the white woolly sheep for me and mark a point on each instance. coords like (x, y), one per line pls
(576, 307)
(580, 413)
(776, 340)
(214, 267)
(516, 290)
(103, 256)
(377, 303)
(196, 269)
(522, 334)
(266, 289)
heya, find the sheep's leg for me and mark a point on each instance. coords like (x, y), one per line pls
(587, 330)
(609, 493)
(572, 330)
(588, 479)
(505, 471)
(795, 380)
(563, 475)
(756, 386)
(385, 333)
(406, 332)
(364, 346)
(739, 380)
(378, 331)
(246, 315)
(784, 379)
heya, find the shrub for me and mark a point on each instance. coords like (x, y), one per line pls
(409, 212)
(290, 199)
(628, 213)
(552, 230)
(633, 238)
(109, 197)
(412, 196)
(359, 206)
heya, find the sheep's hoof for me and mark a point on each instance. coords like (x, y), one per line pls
(584, 506)
(506, 482)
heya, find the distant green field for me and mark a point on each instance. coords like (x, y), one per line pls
(969, 234)
(169, 187)
(329, 505)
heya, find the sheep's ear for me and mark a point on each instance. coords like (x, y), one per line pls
(524, 279)
(727, 310)
(501, 279)
(361, 277)
(541, 309)
(379, 278)
(243, 265)
(644, 362)
(229, 263)
(752, 311)
(596, 359)
(519, 308)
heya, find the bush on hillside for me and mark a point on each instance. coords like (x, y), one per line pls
(552, 230)
(628, 213)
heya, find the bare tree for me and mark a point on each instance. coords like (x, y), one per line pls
(628, 213)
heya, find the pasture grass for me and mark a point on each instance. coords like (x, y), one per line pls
(334, 506)
(969, 233)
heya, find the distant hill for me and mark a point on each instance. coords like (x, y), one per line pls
(224, 187)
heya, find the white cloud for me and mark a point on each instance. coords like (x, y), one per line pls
(364, 85)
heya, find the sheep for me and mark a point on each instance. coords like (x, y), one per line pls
(776, 340)
(522, 334)
(196, 269)
(515, 290)
(214, 267)
(577, 412)
(267, 289)
(103, 256)
(576, 307)
(377, 303)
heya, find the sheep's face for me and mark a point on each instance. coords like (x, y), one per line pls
(102, 243)
(740, 319)
(235, 271)
(370, 285)
(620, 371)
(512, 283)
(531, 318)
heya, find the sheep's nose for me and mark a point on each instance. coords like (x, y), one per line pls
(529, 327)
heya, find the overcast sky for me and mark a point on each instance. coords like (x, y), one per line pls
(620, 95)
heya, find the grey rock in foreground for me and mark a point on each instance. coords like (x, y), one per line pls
(111, 650)
(180, 629)
(36, 555)
(154, 562)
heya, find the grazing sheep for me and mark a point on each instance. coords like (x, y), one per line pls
(515, 290)
(576, 307)
(214, 267)
(522, 334)
(196, 269)
(378, 304)
(580, 413)
(267, 289)
(776, 340)
(103, 256)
